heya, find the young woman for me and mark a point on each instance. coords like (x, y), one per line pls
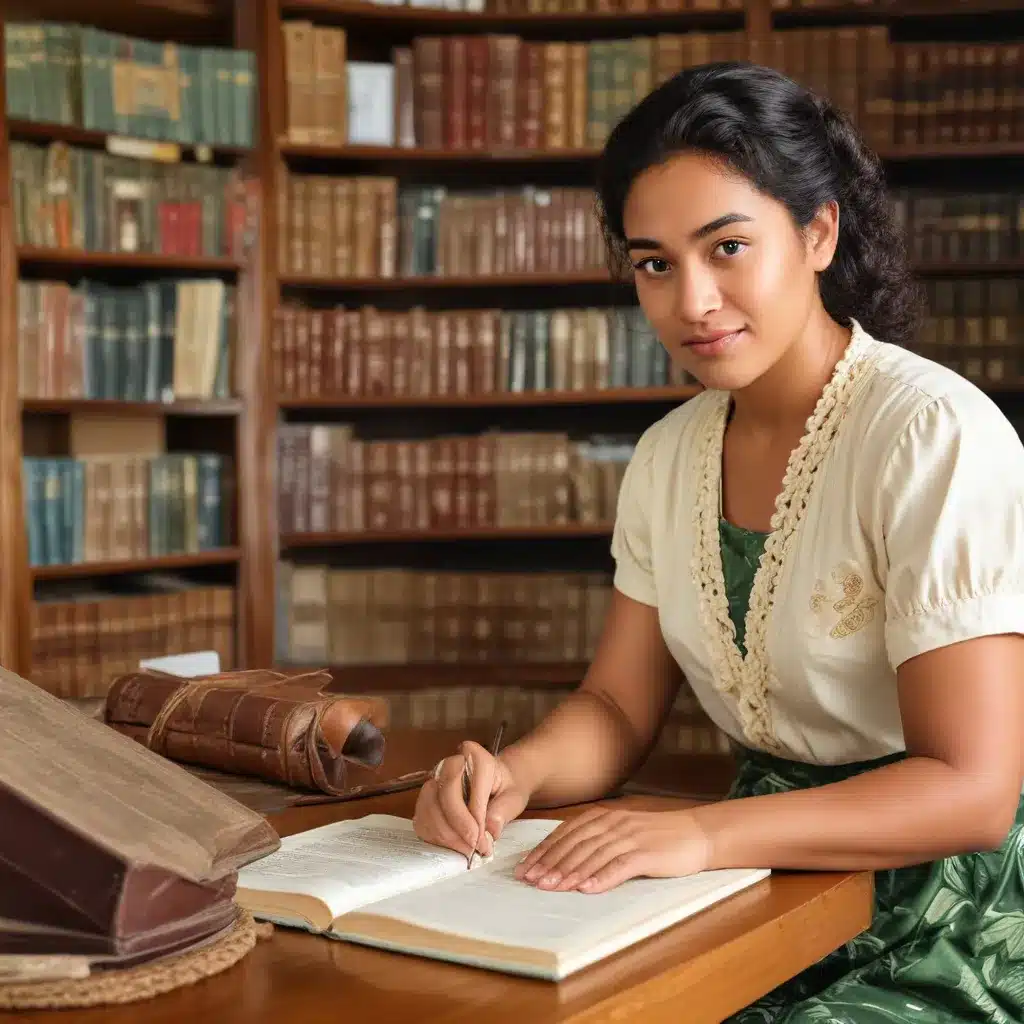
(827, 544)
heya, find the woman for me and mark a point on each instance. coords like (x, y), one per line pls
(828, 544)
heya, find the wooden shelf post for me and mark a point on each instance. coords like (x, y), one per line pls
(257, 29)
(15, 582)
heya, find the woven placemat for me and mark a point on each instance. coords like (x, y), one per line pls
(132, 984)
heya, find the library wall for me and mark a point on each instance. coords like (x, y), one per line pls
(312, 350)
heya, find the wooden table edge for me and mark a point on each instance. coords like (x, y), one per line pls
(809, 936)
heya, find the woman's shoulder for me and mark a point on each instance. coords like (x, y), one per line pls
(908, 394)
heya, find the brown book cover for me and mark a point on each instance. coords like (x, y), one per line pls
(282, 728)
(113, 851)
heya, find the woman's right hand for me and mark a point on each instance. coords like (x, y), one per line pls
(442, 816)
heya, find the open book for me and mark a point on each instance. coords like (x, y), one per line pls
(372, 880)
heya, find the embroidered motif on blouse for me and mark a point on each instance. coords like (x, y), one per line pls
(855, 608)
(749, 680)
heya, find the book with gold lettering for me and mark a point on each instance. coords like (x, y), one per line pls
(373, 881)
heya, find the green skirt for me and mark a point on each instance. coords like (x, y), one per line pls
(946, 943)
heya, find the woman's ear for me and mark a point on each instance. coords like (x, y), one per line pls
(822, 236)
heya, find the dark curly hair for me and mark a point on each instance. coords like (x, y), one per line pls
(792, 145)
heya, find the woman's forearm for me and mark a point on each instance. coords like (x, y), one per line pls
(915, 810)
(579, 752)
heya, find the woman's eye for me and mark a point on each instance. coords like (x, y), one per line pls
(730, 247)
(652, 264)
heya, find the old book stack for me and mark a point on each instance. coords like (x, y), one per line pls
(111, 858)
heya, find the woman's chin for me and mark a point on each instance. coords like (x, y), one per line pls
(728, 375)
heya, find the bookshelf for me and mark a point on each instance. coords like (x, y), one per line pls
(144, 407)
(297, 293)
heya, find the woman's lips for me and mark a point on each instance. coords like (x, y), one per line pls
(713, 344)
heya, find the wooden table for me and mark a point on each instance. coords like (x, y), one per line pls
(699, 971)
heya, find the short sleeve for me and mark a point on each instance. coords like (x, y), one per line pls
(952, 512)
(631, 536)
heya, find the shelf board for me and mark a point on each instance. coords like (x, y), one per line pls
(404, 18)
(890, 12)
(892, 153)
(79, 259)
(889, 152)
(497, 399)
(193, 21)
(981, 268)
(402, 154)
(73, 135)
(568, 531)
(221, 556)
(559, 280)
(421, 676)
(550, 280)
(115, 407)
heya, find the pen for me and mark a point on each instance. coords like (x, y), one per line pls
(467, 779)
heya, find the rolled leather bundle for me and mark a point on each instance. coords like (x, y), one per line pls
(281, 728)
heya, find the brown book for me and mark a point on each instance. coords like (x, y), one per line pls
(299, 60)
(281, 728)
(113, 852)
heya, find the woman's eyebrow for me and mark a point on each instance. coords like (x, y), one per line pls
(702, 232)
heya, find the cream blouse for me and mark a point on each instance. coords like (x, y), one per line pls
(899, 529)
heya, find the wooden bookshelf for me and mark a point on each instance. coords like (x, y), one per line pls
(429, 675)
(555, 531)
(44, 131)
(246, 426)
(220, 426)
(114, 407)
(81, 261)
(853, 13)
(389, 155)
(422, 20)
(158, 563)
(399, 154)
(496, 399)
(311, 282)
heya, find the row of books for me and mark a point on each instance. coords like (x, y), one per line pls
(105, 81)
(158, 341)
(474, 710)
(477, 92)
(84, 636)
(397, 616)
(492, 92)
(975, 327)
(368, 352)
(68, 197)
(366, 227)
(945, 226)
(118, 508)
(329, 480)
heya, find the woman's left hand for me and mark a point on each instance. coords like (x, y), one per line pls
(600, 848)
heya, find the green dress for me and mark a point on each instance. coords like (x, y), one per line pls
(946, 945)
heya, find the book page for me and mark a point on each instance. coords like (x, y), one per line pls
(492, 905)
(349, 864)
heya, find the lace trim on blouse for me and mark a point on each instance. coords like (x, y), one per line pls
(750, 679)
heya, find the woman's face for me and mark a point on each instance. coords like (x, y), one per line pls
(724, 276)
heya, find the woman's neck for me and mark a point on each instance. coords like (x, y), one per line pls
(785, 396)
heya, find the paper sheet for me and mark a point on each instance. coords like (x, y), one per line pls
(349, 864)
